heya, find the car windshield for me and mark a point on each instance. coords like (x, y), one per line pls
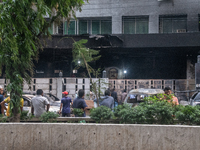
(134, 98)
(197, 98)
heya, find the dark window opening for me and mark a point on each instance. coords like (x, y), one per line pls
(60, 28)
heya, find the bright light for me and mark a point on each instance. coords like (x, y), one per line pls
(125, 71)
(79, 62)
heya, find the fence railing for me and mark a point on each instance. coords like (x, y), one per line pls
(183, 88)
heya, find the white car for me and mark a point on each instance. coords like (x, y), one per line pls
(54, 102)
(136, 96)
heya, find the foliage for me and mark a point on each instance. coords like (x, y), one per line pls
(78, 112)
(98, 87)
(84, 56)
(3, 118)
(83, 121)
(101, 114)
(124, 113)
(152, 111)
(158, 110)
(25, 116)
(188, 115)
(49, 117)
(22, 25)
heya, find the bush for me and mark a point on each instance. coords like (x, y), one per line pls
(188, 115)
(77, 111)
(49, 117)
(3, 118)
(25, 116)
(152, 111)
(139, 116)
(101, 114)
(158, 112)
(124, 113)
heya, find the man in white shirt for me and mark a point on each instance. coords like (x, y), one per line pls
(38, 104)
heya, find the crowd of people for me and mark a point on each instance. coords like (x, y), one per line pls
(40, 104)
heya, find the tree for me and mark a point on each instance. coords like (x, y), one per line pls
(84, 56)
(22, 25)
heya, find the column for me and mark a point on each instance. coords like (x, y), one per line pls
(192, 22)
(154, 24)
(116, 24)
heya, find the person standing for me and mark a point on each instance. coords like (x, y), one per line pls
(168, 92)
(108, 100)
(65, 105)
(7, 100)
(114, 95)
(38, 104)
(123, 96)
(80, 103)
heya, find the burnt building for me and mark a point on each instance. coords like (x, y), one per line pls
(156, 39)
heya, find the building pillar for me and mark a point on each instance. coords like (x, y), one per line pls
(59, 86)
(192, 22)
(190, 69)
(154, 24)
(116, 24)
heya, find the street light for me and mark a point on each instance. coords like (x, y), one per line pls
(125, 73)
(79, 62)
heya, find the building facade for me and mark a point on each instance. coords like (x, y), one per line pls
(143, 39)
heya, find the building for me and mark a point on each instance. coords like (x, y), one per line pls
(156, 39)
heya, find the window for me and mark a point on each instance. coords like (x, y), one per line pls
(135, 25)
(60, 28)
(106, 27)
(101, 27)
(83, 27)
(70, 28)
(95, 26)
(50, 29)
(173, 24)
(199, 22)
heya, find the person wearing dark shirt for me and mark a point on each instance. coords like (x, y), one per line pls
(114, 95)
(65, 105)
(108, 100)
(79, 102)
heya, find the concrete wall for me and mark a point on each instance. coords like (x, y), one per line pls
(118, 8)
(41, 136)
(50, 85)
(56, 86)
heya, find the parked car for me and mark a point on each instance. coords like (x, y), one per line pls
(195, 99)
(53, 100)
(136, 96)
